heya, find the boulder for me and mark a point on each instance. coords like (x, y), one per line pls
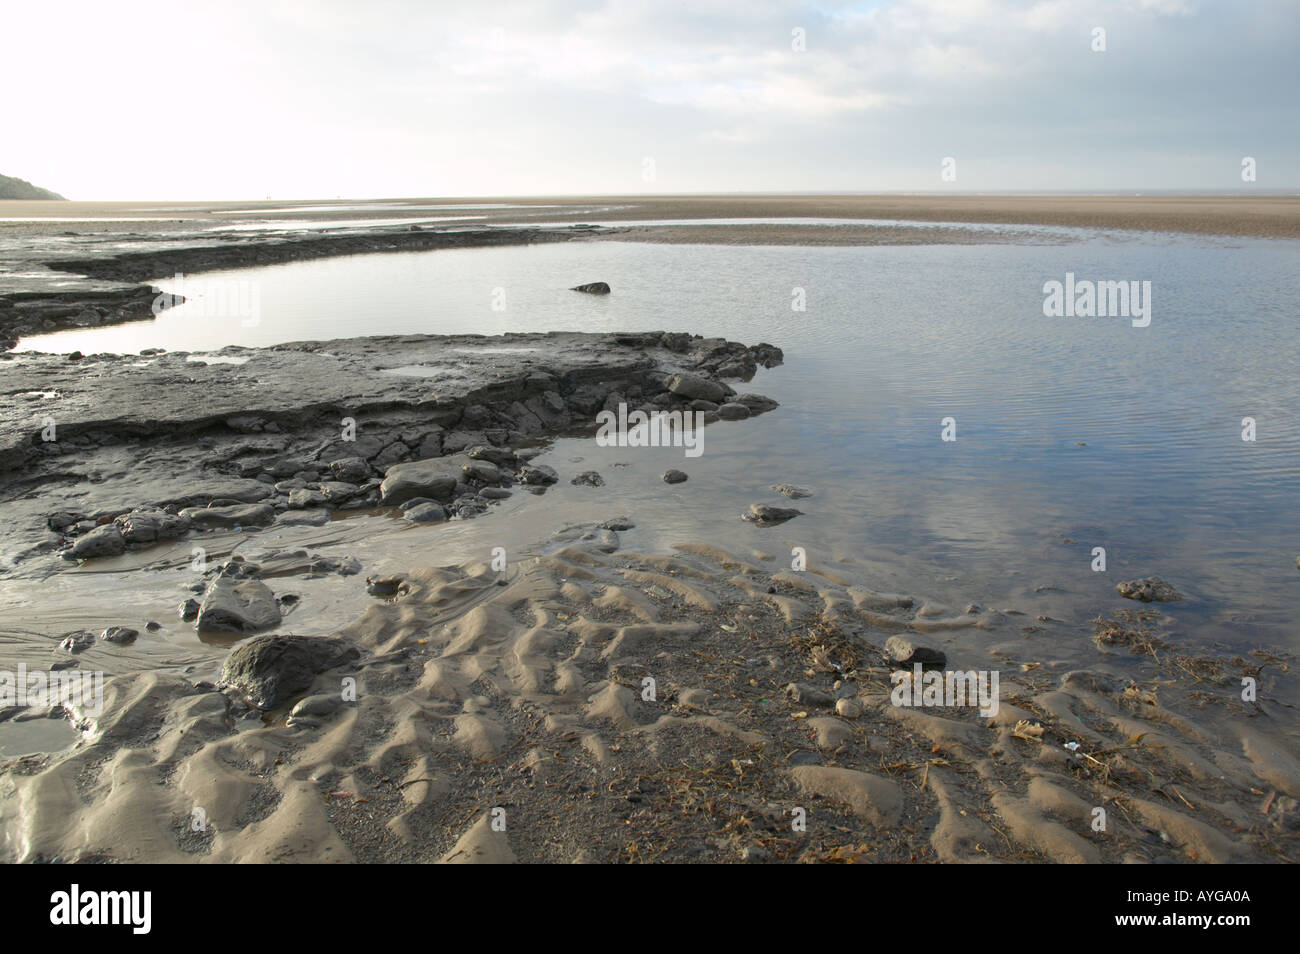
(243, 515)
(148, 526)
(692, 387)
(102, 541)
(435, 478)
(235, 604)
(270, 670)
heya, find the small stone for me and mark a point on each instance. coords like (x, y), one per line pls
(904, 652)
(848, 708)
(77, 642)
(588, 478)
(189, 610)
(592, 288)
(791, 491)
(674, 477)
(805, 694)
(120, 635)
(1148, 590)
(766, 516)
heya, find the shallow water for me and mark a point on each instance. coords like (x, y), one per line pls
(1072, 433)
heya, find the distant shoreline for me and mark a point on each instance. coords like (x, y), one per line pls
(1268, 216)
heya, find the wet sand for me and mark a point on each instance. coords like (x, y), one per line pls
(500, 714)
(1271, 216)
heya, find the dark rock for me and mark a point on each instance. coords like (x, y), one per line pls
(189, 609)
(766, 516)
(1148, 590)
(501, 456)
(693, 387)
(791, 491)
(234, 603)
(808, 695)
(618, 523)
(241, 515)
(904, 652)
(435, 479)
(589, 478)
(733, 412)
(538, 475)
(77, 642)
(425, 513)
(592, 288)
(120, 635)
(148, 526)
(102, 541)
(270, 670)
(352, 470)
(674, 477)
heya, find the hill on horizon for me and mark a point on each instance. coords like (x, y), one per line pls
(22, 189)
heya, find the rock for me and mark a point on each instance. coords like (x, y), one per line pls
(352, 470)
(436, 479)
(482, 472)
(318, 705)
(234, 489)
(753, 853)
(618, 523)
(425, 513)
(805, 694)
(791, 491)
(538, 475)
(337, 491)
(757, 403)
(102, 541)
(120, 635)
(904, 652)
(733, 412)
(243, 515)
(1148, 590)
(77, 642)
(588, 478)
(592, 288)
(189, 609)
(674, 477)
(153, 626)
(287, 487)
(302, 499)
(59, 522)
(233, 604)
(848, 708)
(384, 587)
(501, 456)
(494, 493)
(304, 518)
(270, 670)
(148, 526)
(693, 387)
(390, 455)
(766, 516)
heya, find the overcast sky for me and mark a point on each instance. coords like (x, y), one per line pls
(322, 98)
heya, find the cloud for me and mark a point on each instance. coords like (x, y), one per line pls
(158, 100)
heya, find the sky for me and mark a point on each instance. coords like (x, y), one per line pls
(184, 100)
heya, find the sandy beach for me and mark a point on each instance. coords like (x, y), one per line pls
(570, 699)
